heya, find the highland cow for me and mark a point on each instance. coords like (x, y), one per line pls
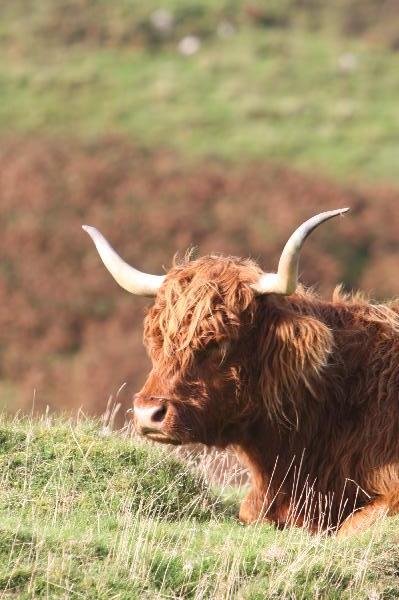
(305, 390)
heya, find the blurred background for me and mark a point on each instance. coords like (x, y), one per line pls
(221, 124)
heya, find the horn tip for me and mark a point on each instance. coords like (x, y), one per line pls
(92, 231)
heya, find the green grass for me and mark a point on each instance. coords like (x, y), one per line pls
(259, 94)
(87, 516)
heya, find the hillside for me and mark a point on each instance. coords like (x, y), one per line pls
(284, 80)
(83, 515)
(215, 123)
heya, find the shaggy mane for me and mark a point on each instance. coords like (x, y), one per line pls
(305, 343)
(208, 300)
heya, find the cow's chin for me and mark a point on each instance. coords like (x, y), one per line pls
(162, 438)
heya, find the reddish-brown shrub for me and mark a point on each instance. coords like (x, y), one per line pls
(67, 331)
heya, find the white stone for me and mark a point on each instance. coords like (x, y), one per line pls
(162, 20)
(189, 45)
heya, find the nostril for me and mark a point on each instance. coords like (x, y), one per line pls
(159, 414)
(150, 413)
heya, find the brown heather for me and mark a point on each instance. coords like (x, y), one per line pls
(68, 332)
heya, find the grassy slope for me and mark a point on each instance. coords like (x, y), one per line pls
(260, 93)
(86, 516)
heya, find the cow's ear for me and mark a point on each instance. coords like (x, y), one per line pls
(295, 352)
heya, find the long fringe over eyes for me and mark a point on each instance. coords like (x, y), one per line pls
(207, 300)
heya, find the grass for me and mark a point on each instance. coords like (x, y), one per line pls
(257, 94)
(88, 516)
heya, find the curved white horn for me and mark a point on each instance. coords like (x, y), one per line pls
(132, 280)
(284, 282)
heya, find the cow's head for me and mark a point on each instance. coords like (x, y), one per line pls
(201, 339)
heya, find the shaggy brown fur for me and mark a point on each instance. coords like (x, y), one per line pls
(306, 390)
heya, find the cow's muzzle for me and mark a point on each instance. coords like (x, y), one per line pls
(149, 415)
